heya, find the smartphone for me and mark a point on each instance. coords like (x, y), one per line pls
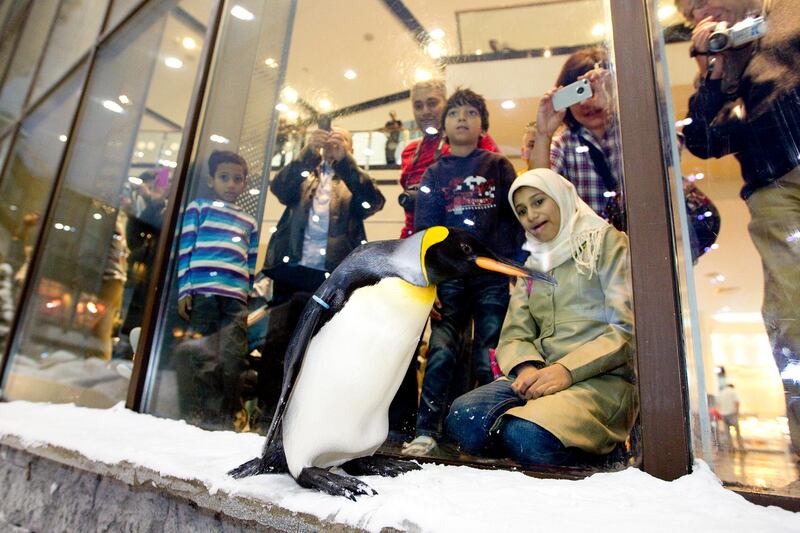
(572, 94)
(324, 122)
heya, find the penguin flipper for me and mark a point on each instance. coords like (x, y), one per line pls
(378, 466)
(272, 462)
(325, 481)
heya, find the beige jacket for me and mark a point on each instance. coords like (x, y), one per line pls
(586, 325)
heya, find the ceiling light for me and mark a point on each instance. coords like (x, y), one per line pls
(508, 104)
(62, 138)
(135, 180)
(58, 225)
(111, 105)
(598, 30)
(271, 63)
(219, 139)
(241, 13)
(173, 62)
(189, 43)
(325, 104)
(350, 74)
(547, 53)
(289, 94)
(167, 152)
(421, 74)
(438, 33)
(292, 115)
(151, 145)
(123, 99)
(665, 12)
(436, 50)
(478, 52)
(97, 216)
(282, 107)
(368, 151)
(430, 130)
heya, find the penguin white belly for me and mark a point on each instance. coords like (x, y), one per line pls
(352, 369)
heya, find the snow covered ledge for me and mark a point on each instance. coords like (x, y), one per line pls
(68, 468)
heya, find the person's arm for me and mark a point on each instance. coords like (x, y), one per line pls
(515, 350)
(252, 254)
(189, 228)
(708, 136)
(613, 345)
(367, 198)
(548, 120)
(429, 209)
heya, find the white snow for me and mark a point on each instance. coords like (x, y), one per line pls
(436, 498)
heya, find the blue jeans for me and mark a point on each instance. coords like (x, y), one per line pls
(484, 300)
(472, 420)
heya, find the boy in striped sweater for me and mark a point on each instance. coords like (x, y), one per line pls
(216, 267)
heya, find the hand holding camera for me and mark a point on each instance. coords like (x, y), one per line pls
(710, 39)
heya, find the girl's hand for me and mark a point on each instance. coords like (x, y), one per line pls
(548, 119)
(532, 383)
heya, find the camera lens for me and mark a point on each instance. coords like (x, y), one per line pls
(718, 42)
(580, 90)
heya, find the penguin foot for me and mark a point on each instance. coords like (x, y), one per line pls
(324, 481)
(273, 462)
(378, 466)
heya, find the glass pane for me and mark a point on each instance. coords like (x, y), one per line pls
(327, 197)
(75, 30)
(28, 181)
(21, 70)
(15, 15)
(91, 286)
(739, 124)
(119, 9)
(239, 119)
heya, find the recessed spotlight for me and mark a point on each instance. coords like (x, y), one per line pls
(219, 139)
(173, 62)
(478, 52)
(665, 12)
(135, 180)
(438, 33)
(292, 115)
(350, 74)
(289, 94)
(282, 107)
(111, 105)
(189, 43)
(422, 74)
(254, 192)
(271, 63)
(508, 104)
(62, 138)
(547, 53)
(325, 104)
(167, 152)
(436, 50)
(123, 99)
(599, 29)
(241, 13)
(430, 130)
(97, 216)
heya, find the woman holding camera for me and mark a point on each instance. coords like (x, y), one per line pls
(586, 151)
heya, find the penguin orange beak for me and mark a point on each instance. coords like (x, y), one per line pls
(511, 269)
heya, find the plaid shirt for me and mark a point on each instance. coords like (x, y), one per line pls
(571, 158)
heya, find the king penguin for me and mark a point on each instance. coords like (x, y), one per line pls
(349, 352)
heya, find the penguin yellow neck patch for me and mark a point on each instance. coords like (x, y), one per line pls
(432, 236)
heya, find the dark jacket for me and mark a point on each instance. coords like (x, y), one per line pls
(354, 197)
(764, 138)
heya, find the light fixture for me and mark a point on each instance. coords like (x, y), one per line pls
(469, 222)
(91, 307)
(167, 152)
(135, 180)
(58, 225)
(436, 49)
(289, 94)
(599, 29)
(167, 163)
(241, 13)
(97, 216)
(365, 205)
(508, 104)
(111, 105)
(219, 139)
(292, 115)
(254, 192)
(478, 52)
(437, 33)
(62, 138)
(282, 107)
(665, 12)
(368, 151)
(273, 229)
(325, 104)
(430, 130)
(123, 99)
(425, 189)
(271, 63)
(173, 62)
(547, 53)
(422, 74)
(350, 74)
(189, 43)
(581, 149)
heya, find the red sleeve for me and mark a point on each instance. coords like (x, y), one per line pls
(406, 157)
(487, 143)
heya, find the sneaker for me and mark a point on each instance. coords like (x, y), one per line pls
(422, 445)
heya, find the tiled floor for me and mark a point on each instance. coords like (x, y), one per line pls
(775, 471)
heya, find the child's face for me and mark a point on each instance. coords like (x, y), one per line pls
(228, 181)
(462, 124)
(538, 213)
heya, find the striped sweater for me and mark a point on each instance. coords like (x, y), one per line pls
(218, 250)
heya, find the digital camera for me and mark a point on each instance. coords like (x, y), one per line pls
(739, 34)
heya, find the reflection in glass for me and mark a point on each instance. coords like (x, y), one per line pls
(28, 180)
(119, 9)
(26, 57)
(75, 29)
(15, 14)
(740, 121)
(90, 288)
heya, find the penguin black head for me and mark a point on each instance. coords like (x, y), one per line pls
(449, 253)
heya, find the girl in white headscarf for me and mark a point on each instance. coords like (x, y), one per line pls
(568, 394)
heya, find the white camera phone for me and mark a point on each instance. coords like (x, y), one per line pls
(572, 94)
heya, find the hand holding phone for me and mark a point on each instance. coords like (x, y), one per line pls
(572, 94)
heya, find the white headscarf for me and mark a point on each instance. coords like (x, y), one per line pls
(580, 235)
